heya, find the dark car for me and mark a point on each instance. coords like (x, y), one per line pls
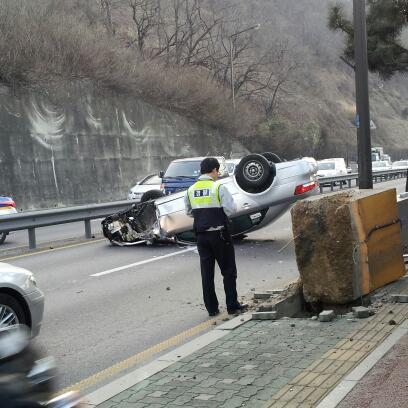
(183, 173)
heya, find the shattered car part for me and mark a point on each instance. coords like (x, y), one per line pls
(261, 189)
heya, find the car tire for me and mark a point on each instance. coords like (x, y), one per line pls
(272, 157)
(3, 236)
(151, 195)
(254, 173)
(13, 305)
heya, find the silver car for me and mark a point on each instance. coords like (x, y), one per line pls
(21, 302)
(262, 190)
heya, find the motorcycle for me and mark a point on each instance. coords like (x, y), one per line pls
(27, 381)
(7, 206)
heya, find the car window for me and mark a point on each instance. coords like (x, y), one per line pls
(230, 167)
(326, 166)
(152, 180)
(379, 164)
(183, 169)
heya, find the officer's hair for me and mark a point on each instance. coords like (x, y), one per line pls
(209, 164)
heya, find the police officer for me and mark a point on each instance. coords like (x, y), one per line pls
(210, 203)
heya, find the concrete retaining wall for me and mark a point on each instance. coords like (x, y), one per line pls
(77, 144)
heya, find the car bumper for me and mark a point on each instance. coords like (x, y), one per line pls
(35, 302)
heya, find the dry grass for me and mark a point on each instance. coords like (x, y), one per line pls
(46, 40)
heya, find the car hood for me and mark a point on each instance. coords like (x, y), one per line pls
(17, 278)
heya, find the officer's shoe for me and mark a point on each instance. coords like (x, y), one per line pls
(237, 309)
(215, 313)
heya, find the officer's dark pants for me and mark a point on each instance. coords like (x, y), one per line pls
(217, 246)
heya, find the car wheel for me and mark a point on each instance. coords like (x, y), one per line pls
(272, 157)
(3, 236)
(254, 173)
(11, 312)
(151, 195)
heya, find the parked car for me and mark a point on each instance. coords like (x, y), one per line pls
(7, 206)
(21, 302)
(152, 182)
(262, 190)
(331, 167)
(183, 173)
(381, 165)
(400, 165)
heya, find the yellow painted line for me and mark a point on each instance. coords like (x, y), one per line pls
(51, 250)
(139, 357)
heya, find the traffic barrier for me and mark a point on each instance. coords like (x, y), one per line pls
(351, 180)
(31, 220)
(347, 244)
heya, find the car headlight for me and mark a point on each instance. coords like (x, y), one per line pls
(33, 280)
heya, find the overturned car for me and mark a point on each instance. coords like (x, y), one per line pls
(262, 186)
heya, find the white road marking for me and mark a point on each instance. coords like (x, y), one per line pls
(146, 261)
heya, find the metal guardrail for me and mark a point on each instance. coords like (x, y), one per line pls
(31, 220)
(348, 180)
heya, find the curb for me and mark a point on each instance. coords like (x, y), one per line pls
(351, 380)
(140, 374)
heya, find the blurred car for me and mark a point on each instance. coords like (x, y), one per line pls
(149, 183)
(21, 302)
(231, 164)
(7, 206)
(400, 165)
(262, 191)
(331, 167)
(183, 173)
(381, 165)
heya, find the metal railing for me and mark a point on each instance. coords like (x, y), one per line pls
(31, 220)
(351, 180)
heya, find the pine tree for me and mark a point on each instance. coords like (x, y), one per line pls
(385, 21)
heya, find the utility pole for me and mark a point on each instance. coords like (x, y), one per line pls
(365, 172)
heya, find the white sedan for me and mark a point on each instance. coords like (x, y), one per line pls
(21, 302)
(152, 182)
(400, 165)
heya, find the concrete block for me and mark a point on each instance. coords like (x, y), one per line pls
(326, 316)
(341, 252)
(265, 315)
(399, 298)
(361, 312)
(262, 295)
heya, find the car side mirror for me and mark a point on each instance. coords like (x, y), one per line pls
(161, 174)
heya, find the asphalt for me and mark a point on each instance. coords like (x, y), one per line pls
(100, 321)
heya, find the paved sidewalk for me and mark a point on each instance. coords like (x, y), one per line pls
(284, 363)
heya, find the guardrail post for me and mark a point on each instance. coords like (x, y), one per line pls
(88, 231)
(31, 238)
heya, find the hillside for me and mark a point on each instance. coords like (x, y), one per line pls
(294, 95)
